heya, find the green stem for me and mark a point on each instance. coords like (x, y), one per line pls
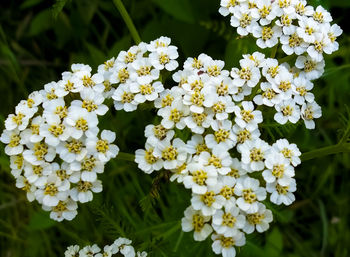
(328, 150)
(126, 157)
(274, 51)
(126, 17)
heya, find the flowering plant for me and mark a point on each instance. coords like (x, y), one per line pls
(209, 131)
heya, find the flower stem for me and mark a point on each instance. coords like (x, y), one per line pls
(126, 17)
(126, 157)
(328, 150)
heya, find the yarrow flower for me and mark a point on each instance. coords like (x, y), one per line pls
(121, 247)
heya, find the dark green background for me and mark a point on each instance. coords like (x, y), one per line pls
(40, 39)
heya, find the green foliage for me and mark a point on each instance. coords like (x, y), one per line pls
(40, 39)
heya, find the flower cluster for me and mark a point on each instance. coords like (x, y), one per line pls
(121, 246)
(300, 28)
(136, 73)
(225, 154)
(55, 146)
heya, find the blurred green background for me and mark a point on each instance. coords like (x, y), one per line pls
(40, 39)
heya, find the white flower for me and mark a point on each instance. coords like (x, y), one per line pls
(30, 189)
(196, 145)
(257, 57)
(72, 150)
(248, 74)
(264, 11)
(195, 220)
(89, 168)
(38, 153)
(89, 251)
(222, 136)
(292, 43)
(174, 115)
(321, 15)
(228, 222)
(311, 69)
(302, 88)
(92, 101)
(284, 84)
(102, 148)
(322, 44)
(249, 194)
(241, 93)
(55, 133)
(82, 122)
(284, 7)
(83, 191)
(64, 210)
(225, 245)
(243, 134)
(287, 111)
(173, 154)
(254, 153)
(243, 20)
(142, 71)
(289, 151)
(18, 121)
(226, 6)
(208, 202)
(157, 134)
(32, 134)
(258, 220)
(219, 158)
(52, 190)
(36, 172)
(12, 139)
(159, 44)
(307, 29)
(310, 111)
(124, 99)
(165, 57)
(146, 160)
(166, 97)
(247, 117)
(282, 194)
(72, 251)
(200, 177)
(267, 36)
(145, 92)
(198, 122)
(333, 32)
(55, 111)
(278, 169)
(269, 97)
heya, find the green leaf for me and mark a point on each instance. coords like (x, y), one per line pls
(40, 23)
(274, 243)
(179, 9)
(58, 7)
(29, 3)
(40, 220)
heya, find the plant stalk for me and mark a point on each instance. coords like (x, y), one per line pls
(129, 23)
(328, 150)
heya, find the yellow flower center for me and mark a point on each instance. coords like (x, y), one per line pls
(199, 177)
(248, 195)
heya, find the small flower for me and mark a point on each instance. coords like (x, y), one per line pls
(195, 220)
(225, 245)
(249, 194)
(258, 220)
(282, 194)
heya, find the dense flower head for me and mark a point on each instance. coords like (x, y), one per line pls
(53, 139)
(224, 154)
(55, 145)
(120, 247)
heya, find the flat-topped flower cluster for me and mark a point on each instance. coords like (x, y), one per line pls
(298, 27)
(121, 246)
(55, 146)
(225, 155)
